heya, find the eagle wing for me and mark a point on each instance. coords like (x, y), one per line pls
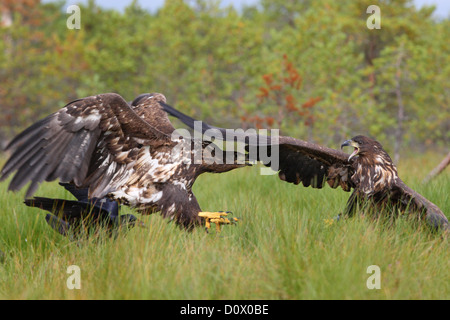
(298, 161)
(96, 141)
(415, 202)
(305, 162)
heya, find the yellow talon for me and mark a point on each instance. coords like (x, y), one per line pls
(218, 218)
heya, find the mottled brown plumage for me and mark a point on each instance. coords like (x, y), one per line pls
(118, 150)
(368, 171)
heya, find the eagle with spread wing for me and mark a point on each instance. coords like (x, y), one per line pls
(368, 172)
(126, 152)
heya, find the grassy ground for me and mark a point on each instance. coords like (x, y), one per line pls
(285, 247)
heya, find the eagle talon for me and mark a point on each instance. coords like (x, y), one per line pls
(218, 218)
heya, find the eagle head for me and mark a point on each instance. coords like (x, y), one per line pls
(159, 97)
(365, 147)
(374, 169)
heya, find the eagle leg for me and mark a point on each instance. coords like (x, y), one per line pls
(218, 218)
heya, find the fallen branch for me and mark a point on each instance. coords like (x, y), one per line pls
(436, 171)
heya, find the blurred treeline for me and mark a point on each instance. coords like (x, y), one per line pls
(311, 68)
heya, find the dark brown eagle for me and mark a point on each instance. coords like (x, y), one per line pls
(125, 152)
(368, 171)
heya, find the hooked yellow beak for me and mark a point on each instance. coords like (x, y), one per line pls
(351, 143)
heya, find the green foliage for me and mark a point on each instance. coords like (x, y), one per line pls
(210, 61)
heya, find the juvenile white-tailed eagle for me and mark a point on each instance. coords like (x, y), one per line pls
(117, 150)
(368, 171)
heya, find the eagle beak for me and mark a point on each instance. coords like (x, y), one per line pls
(351, 143)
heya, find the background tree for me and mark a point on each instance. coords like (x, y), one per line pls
(212, 61)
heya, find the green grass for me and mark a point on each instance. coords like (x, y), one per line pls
(283, 248)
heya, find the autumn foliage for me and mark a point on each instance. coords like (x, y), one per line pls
(309, 68)
(281, 90)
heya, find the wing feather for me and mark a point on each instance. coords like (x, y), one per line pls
(415, 202)
(311, 164)
(72, 145)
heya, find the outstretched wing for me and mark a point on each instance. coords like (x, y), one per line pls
(299, 161)
(415, 202)
(95, 141)
(296, 160)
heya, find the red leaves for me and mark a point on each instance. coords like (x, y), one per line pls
(268, 79)
(276, 87)
(264, 92)
(280, 89)
(258, 122)
(269, 121)
(290, 103)
(293, 78)
(311, 102)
